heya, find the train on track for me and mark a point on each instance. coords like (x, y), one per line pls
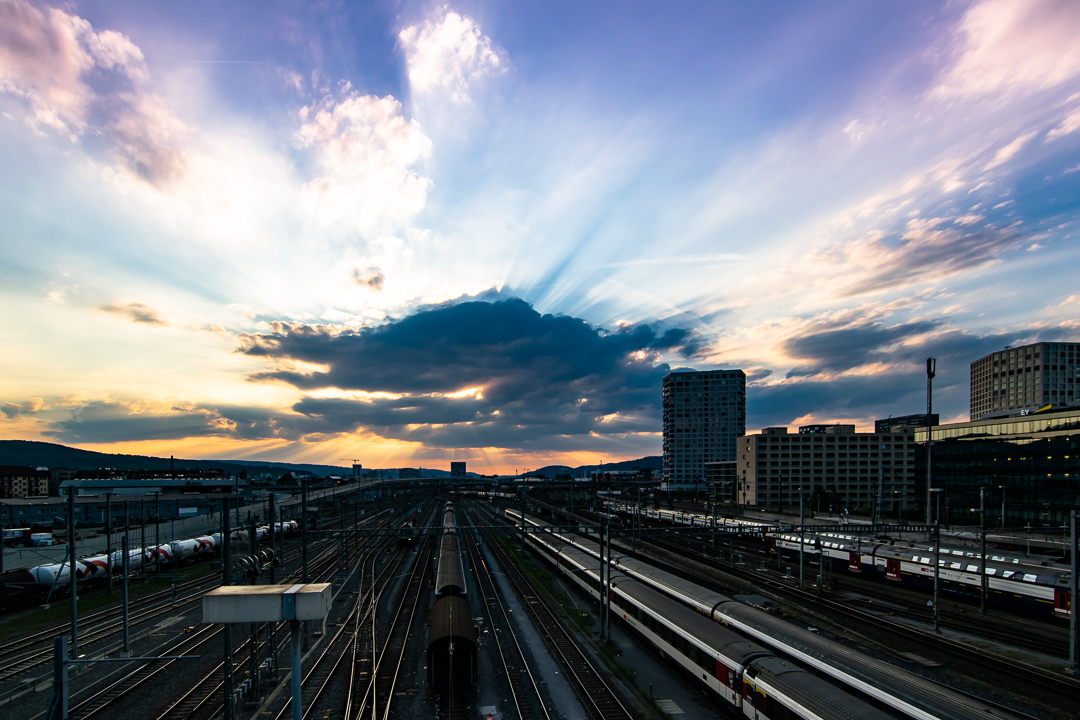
(671, 617)
(451, 650)
(96, 567)
(1013, 581)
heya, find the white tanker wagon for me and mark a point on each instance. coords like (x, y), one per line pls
(97, 566)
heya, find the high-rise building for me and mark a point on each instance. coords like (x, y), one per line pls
(1016, 381)
(704, 413)
(831, 466)
(457, 469)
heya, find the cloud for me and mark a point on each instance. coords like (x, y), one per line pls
(136, 312)
(1006, 153)
(478, 374)
(1014, 45)
(925, 250)
(899, 391)
(838, 349)
(102, 421)
(446, 54)
(364, 152)
(79, 82)
(29, 407)
(371, 278)
(1069, 125)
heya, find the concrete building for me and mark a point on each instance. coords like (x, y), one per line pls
(17, 481)
(457, 469)
(1017, 381)
(918, 420)
(1029, 467)
(832, 466)
(704, 415)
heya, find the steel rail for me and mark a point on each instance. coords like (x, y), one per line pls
(515, 667)
(599, 699)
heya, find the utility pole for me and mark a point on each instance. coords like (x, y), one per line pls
(226, 579)
(802, 537)
(303, 529)
(937, 561)
(1074, 625)
(108, 540)
(931, 371)
(74, 574)
(607, 575)
(982, 516)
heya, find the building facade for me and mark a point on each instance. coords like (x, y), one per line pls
(704, 415)
(919, 420)
(833, 467)
(1017, 381)
(1027, 467)
(17, 481)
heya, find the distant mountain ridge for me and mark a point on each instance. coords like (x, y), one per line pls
(650, 462)
(54, 455)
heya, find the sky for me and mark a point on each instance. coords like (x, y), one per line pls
(405, 233)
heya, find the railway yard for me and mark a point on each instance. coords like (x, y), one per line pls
(495, 605)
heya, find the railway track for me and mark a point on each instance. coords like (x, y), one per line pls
(204, 700)
(15, 663)
(19, 655)
(343, 673)
(200, 698)
(523, 687)
(600, 700)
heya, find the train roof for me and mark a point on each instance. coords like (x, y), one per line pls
(451, 617)
(451, 571)
(835, 659)
(811, 692)
(707, 632)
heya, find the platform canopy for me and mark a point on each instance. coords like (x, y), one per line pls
(266, 603)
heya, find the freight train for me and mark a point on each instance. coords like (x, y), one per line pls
(97, 566)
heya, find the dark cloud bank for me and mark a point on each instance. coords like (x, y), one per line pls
(549, 382)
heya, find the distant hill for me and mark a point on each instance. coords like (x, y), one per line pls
(53, 455)
(652, 462)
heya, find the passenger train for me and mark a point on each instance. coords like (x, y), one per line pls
(890, 690)
(1013, 581)
(451, 649)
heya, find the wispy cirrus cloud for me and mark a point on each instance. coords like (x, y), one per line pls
(1014, 46)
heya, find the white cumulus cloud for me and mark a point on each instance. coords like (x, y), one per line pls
(366, 152)
(447, 53)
